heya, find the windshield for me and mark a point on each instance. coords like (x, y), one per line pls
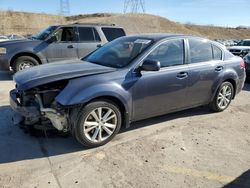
(120, 52)
(244, 43)
(45, 33)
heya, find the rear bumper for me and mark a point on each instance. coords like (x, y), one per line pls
(25, 111)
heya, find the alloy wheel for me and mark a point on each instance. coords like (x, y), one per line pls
(25, 64)
(100, 124)
(224, 97)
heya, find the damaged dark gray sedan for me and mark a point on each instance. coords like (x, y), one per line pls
(126, 80)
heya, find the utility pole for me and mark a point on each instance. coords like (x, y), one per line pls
(134, 6)
(64, 7)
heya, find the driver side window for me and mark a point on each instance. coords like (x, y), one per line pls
(66, 34)
(170, 53)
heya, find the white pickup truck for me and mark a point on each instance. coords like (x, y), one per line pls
(241, 49)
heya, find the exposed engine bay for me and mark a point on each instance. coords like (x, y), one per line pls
(39, 106)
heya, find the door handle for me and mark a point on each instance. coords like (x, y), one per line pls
(182, 75)
(70, 46)
(99, 45)
(219, 68)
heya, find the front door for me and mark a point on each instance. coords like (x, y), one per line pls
(65, 48)
(156, 93)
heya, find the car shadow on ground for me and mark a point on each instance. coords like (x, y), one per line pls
(6, 75)
(17, 144)
(243, 181)
(181, 114)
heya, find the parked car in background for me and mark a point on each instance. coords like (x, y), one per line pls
(15, 37)
(226, 42)
(129, 79)
(241, 49)
(56, 43)
(247, 61)
(3, 38)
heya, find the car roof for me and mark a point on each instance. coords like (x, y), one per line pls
(160, 36)
(90, 25)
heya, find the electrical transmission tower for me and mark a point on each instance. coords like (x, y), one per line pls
(64, 7)
(134, 6)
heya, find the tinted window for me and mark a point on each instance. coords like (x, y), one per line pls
(200, 51)
(66, 34)
(169, 54)
(217, 53)
(113, 33)
(86, 34)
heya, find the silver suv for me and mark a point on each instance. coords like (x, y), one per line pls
(56, 43)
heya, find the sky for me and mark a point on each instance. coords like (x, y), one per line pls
(231, 13)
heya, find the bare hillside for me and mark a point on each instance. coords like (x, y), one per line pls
(26, 23)
(30, 23)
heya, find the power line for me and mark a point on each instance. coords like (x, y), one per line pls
(134, 6)
(64, 7)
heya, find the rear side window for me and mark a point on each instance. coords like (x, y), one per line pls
(170, 53)
(88, 34)
(217, 53)
(113, 33)
(200, 51)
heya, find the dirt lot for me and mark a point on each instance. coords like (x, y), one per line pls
(193, 148)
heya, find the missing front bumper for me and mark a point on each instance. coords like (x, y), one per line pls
(25, 111)
(58, 120)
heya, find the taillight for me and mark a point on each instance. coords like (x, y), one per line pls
(242, 64)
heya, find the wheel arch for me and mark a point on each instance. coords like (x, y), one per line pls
(230, 79)
(122, 107)
(12, 61)
(233, 82)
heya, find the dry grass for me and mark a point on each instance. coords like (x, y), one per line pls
(30, 23)
(26, 23)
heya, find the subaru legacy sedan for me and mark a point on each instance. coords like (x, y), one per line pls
(129, 79)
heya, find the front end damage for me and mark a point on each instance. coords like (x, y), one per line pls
(38, 107)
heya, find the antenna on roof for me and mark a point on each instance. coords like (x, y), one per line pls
(134, 6)
(64, 7)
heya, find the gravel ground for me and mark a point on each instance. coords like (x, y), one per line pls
(192, 148)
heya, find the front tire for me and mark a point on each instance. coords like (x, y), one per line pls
(98, 123)
(223, 97)
(24, 62)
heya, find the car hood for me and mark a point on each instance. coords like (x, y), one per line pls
(43, 74)
(239, 48)
(18, 42)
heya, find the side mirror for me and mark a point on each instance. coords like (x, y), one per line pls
(52, 39)
(151, 65)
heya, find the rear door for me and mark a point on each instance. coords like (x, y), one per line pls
(65, 48)
(88, 40)
(159, 92)
(206, 67)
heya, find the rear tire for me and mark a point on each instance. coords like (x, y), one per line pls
(98, 123)
(222, 98)
(24, 62)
